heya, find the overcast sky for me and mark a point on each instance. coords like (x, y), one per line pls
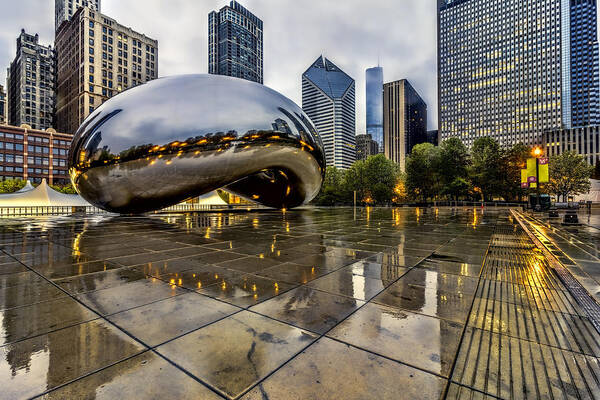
(351, 33)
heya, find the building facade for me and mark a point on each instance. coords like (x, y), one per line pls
(328, 98)
(31, 81)
(404, 120)
(585, 141)
(235, 43)
(374, 96)
(432, 137)
(585, 81)
(365, 146)
(97, 58)
(34, 154)
(512, 70)
(64, 9)
(2, 105)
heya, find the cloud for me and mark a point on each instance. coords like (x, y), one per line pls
(353, 34)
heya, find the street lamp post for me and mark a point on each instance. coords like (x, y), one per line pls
(537, 153)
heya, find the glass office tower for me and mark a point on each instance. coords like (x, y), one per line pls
(511, 69)
(585, 82)
(235, 43)
(374, 81)
(328, 99)
(404, 120)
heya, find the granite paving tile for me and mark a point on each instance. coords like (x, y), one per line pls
(235, 353)
(308, 308)
(334, 370)
(164, 320)
(391, 332)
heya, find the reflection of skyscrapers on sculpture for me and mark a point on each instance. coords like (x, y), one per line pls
(374, 84)
(180, 137)
(235, 43)
(328, 99)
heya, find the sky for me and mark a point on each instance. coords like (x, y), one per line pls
(353, 34)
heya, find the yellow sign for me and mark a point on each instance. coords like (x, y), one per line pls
(543, 170)
(531, 174)
(523, 176)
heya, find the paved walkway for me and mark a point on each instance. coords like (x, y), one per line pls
(307, 304)
(577, 247)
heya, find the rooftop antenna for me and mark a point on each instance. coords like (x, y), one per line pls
(378, 53)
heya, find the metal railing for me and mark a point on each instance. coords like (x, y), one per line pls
(67, 210)
(48, 210)
(210, 207)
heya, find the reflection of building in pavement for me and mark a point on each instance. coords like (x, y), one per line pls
(69, 352)
(88, 347)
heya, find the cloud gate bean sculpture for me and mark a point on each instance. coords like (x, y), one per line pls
(179, 137)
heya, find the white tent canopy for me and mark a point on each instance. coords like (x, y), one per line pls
(42, 196)
(28, 187)
(211, 198)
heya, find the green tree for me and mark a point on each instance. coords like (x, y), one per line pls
(332, 190)
(569, 175)
(514, 160)
(453, 168)
(355, 179)
(381, 177)
(66, 189)
(373, 179)
(486, 169)
(596, 173)
(11, 185)
(422, 166)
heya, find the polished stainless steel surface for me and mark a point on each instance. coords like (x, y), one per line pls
(175, 138)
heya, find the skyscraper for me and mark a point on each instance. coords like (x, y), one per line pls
(585, 81)
(511, 69)
(31, 83)
(328, 99)
(365, 146)
(404, 120)
(374, 83)
(2, 105)
(97, 58)
(64, 9)
(235, 43)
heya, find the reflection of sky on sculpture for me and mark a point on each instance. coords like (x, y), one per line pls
(192, 107)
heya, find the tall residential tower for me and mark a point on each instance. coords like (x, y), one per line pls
(31, 83)
(374, 83)
(404, 120)
(511, 69)
(97, 58)
(235, 43)
(2, 105)
(64, 9)
(328, 99)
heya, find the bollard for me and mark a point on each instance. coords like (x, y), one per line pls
(571, 218)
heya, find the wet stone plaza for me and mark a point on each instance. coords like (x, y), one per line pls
(305, 304)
